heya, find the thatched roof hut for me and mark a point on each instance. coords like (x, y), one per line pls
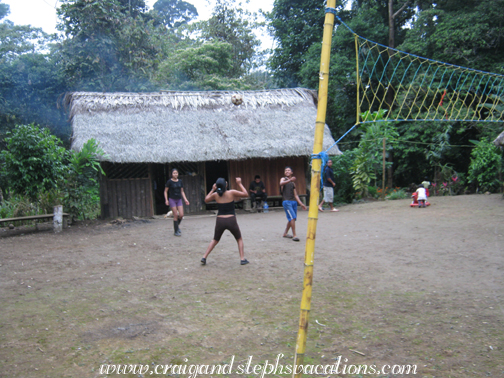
(208, 134)
(499, 141)
(165, 127)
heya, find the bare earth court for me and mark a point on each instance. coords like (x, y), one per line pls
(393, 285)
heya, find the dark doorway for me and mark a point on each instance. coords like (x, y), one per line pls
(160, 174)
(193, 186)
(214, 170)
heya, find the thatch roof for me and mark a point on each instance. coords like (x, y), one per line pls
(166, 127)
(499, 141)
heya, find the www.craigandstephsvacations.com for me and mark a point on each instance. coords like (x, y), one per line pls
(263, 369)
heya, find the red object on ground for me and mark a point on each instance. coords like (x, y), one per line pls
(415, 199)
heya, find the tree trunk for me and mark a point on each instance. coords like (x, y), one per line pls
(390, 91)
(390, 169)
(391, 24)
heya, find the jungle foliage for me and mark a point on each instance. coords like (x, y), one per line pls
(430, 29)
(120, 45)
(39, 173)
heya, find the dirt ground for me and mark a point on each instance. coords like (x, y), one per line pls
(392, 285)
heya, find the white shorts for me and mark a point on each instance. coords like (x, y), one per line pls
(328, 194)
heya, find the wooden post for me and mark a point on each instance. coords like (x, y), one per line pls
(58, 218)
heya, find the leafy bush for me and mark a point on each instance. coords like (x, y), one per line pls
(16, 206)
(343, 192)
(82, 199)
(33, 160)
(41, 174)
(398, 194)
(369, 153)
(486, 164)
(373, 191)
(362, 172)
(48, 199)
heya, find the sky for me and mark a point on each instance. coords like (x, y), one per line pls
(42, 13)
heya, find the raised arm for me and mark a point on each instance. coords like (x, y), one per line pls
(285, 180)
(242, 192)
(211, 194)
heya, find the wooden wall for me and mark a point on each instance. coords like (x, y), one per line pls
(270, 170)
(193, 189)
(126, 198)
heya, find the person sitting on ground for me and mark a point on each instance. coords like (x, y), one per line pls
(226, 216)
(257, 190)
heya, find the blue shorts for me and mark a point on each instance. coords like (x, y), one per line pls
(290, 208)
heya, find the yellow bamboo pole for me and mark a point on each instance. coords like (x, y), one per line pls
(383, 174)
(356, 37)
(314, 190)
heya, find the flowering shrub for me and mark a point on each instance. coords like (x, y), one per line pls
(398, 194)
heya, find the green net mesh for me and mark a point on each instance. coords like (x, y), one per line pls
(412, 88)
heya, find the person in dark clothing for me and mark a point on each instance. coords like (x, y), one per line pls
(174, 193)
(257, 190)
(290, 201)
(226, 217)
(329, 184)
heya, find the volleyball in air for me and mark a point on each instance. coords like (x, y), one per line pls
(237, 99)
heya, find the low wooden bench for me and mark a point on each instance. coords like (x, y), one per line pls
(35, 218)
(246, 202)
(273, 201)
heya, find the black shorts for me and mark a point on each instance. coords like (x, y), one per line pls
(223, 224)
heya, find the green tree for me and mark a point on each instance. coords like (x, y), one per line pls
(234, 26)
(33, 160)
(30, 81)
(344, 191)
(206, 66)
(30, 86)
(369, 155)
(174, 13)
(109, 45)
(295, 27)
(82, 199)
(368, 19)
(467, 33)
(17, 39)
(4, 10)
(223, 58)
(197, 67)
